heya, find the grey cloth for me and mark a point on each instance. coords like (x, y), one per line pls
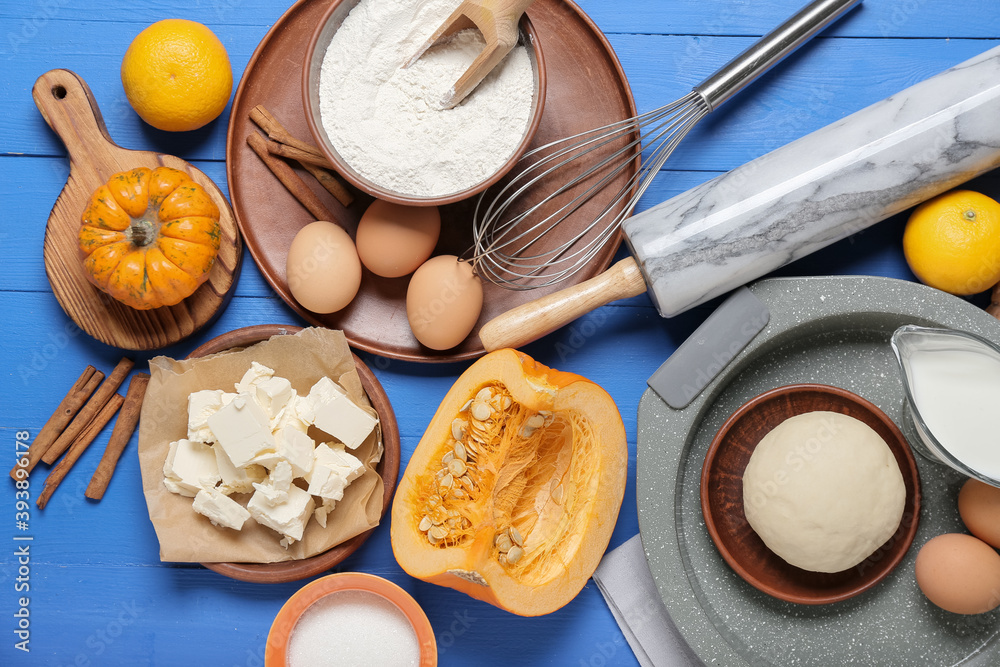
(624, 580)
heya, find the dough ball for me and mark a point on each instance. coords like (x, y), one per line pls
(823, 491)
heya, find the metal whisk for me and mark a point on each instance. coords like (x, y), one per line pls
(511, 227)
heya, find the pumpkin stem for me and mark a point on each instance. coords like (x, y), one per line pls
(143, 233)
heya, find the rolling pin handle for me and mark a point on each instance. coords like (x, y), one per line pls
(530, 321)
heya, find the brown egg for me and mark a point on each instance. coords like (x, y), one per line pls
(393, 240)
(959, 573)
(322, 268)
(979, 505)
(443, 302)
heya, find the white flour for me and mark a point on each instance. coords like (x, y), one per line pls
(386, 122)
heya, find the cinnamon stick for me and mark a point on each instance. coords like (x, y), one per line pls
(317, 165)
(276, 131)
(95, 426)
(68, 407)
(330, 182)
(283, 143)
(89, 411)
(293, 153)
(289, 179)
(120, 436)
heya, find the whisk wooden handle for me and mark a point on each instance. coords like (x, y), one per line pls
(530, 321)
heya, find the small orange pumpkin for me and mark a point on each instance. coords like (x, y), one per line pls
(513, 492)
(149, 237)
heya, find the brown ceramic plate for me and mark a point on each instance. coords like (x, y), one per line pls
(722, 496)
(576, 99)
(388, 467)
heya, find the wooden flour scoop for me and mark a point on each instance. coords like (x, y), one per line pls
(69, 108)
(497, 21)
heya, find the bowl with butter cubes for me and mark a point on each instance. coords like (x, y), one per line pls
(268, 455)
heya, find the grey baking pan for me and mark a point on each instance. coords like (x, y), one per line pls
(831, 330)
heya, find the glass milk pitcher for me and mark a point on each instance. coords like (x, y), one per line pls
(952, 384)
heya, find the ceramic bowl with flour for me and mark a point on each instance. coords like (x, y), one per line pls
(382, 125)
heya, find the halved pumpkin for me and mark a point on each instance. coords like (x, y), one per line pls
(513, 491)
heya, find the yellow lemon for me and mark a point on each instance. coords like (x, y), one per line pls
(952, 242)
(177, 75)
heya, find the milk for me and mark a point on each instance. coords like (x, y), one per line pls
(957, 394)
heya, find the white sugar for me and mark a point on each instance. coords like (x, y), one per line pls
(353, 628)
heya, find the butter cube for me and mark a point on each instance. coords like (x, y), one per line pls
(190, 466)
(275, 489)
(323, 511)
(220, 509)
(201, 406)
(273, 394)
(333, 469)
(333, 412)
(243, 430)
(237, 480)
(291, 416)
(288, 518)
(256, 374)
(297, 448)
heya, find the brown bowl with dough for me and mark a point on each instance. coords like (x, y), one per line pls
(722, 496)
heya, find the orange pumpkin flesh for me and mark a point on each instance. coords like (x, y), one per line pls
(149, 237)
(524, 519)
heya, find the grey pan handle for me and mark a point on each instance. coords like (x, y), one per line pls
(744, 68)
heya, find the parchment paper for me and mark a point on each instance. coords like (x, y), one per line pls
(303, 358)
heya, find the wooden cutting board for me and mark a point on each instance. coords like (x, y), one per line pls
(69, 108)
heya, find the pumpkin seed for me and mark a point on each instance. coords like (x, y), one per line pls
(440, 532)
(433, 540)
(460, 452)
(514, 554)
(484, 394)
(507, 402)
(457, 467)
(502, 558)
(503, 542)
(458, 493)
(535, 421)
(465, 408)
(459, 427)
(515, 536)
(426, 524)
(447, 481)
(481, 411)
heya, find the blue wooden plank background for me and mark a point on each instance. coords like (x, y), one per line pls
(98, 592)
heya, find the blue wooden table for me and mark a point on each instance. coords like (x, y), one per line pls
(98, 593)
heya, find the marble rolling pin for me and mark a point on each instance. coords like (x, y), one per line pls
(790, 202)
